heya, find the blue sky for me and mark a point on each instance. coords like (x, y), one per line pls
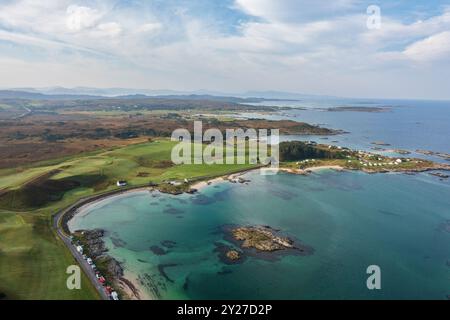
(306, 46)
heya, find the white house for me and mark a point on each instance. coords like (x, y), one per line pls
(121, 183)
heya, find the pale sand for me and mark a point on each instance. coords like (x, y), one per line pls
(337, 168)
(137, 291)
(311, 169)
(202, 184)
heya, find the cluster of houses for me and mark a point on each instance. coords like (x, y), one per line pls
(367, 163)
(177, 183)
(113, 295)
(305, 161)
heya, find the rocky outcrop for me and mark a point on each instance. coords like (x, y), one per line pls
(261, 238)
(93, 240)
(233, 255)
(111, 267)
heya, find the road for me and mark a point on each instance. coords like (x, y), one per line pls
(23, 115)
(81, 262)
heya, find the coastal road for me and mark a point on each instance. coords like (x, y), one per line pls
(78, 257)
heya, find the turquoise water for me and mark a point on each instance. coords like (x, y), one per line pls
(351, 219)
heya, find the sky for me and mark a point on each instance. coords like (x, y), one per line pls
(303, 46)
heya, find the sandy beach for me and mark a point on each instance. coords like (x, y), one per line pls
(311, 169)
(202, 184)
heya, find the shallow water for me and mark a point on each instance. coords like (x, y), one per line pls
(351, 219)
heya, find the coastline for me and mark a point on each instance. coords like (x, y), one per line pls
(129, 282)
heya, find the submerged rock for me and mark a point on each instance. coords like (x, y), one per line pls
(158, 250)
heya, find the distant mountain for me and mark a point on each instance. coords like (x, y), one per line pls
(106, 92)
(15, 94)
(117, 92)
(93, 94)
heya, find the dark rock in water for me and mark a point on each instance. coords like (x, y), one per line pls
(186, 284)
(224, 272)
(142, 261)
(380, 143)
(202, 200)
(158, 250)
(117, 242)
(168, 243)
(283, 194)
(173, 211)
(223, 251)
(151, 284)
(439, 175)
(389, 213)
(162, 267)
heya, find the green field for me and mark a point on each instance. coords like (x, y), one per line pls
(32, 259)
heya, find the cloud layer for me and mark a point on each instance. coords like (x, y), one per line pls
(290, 45)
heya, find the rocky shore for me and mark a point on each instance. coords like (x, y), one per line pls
(108, 267)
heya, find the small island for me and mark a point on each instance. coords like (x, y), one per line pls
(357, 109)
(233, 255)
(261, 238)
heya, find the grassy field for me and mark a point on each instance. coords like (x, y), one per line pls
(32, 260)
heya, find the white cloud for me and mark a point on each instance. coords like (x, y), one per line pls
(293, 10)
(110, 29)
(149, 28)
(79, 17)
(435, 47)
